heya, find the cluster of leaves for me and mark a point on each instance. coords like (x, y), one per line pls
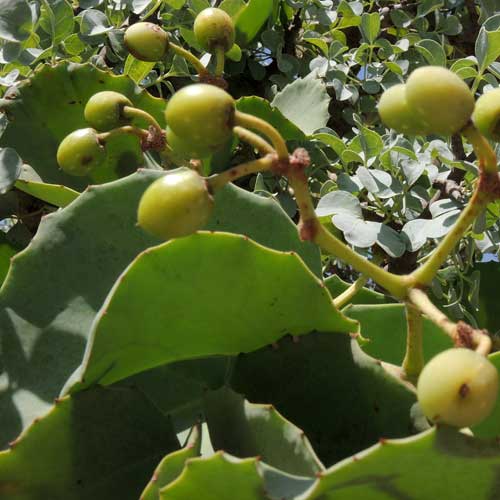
(87, 276)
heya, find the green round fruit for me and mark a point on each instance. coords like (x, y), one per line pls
(201, 114)
(104, 110)
(176, 205)
(186, 149)
(458, 387)
(146, 41)
(80, 152)
(214, 29)
(486, 116)
(395, 112)
(440, 99)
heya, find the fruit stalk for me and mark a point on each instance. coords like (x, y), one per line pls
(346, 296)
(413, 362)
(191, 58)
(253, 122)
(220, 180)
(484, 152)
(262, 146)
(460, 333)
(127, 129)
(219, 61)
(131, 112)
(482, 195)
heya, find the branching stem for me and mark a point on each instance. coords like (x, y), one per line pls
(125, 130)
(218, 181)
(191, 58)
(250, 121)
(262, 146)
(414, 356)
(131, 112)
(460, 333)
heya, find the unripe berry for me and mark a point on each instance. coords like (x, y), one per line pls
(103, 110)
(395, 112)
(80, 152)
(146, 41)
(214, 29)
(486, 115)
(186, 149)
(440, 98)
(176, 205)
(201, 114)
(458, 387)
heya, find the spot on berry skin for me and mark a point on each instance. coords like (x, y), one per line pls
(464, 391)
(86, 160)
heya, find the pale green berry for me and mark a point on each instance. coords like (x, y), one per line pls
(440, 99)
(458, 387)
(104, 110)
(486, 116)
(175, 205)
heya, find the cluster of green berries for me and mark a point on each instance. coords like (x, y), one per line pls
(213, 29)
(200, 120)
(82, 151)
(458, 387)
(434, 100)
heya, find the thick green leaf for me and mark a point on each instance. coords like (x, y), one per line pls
(56, 19)
(246, 430)
(305, 103)
(339, 396)
(439, 463)
(436, 464)
(50, 105)
(219, 477)
(384, 325)
(250, 20)
(263, 109)
(432, 51)
(76, 452)
(37, 318)
(172, 465)
(188, 313)
(57, 195)
(370, 26)
(137, 70)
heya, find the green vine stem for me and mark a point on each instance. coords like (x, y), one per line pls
(253, 122)
(460, 333)
(131, 112)
(262, 146)
(484, 193)
(219, 61)
(394, 284)
(347, 295)
(191, 58)
(414, 357)
(218, 181)
(484, 152)
(125, 130)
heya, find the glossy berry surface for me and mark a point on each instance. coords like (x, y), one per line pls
(486, 116)
(176, 205)
(103, 110)
(214, 29)
(458, 387)
(80, 152)
(440, 99)
(146, 41)
(395, 112)
(201, 114)
(186, 149)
